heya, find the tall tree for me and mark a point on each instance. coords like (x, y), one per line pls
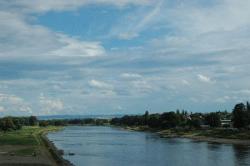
(240, 119)
(213, 119)
(248, 113)
(248, 107)
(169, 120)
(146, 117)
(33, 121)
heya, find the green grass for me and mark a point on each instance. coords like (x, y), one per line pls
(28, 140)
(25, 136)
(26, 151)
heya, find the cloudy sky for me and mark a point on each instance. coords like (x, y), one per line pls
(123, 56)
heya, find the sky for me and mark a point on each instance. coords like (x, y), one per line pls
(86, 57)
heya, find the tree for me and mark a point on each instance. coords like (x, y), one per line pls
(213, 119)
(7, 124)
(43, 123)
(17, 123)
(154, 121)
(146, 116)
(33, 121)
(248, 113)
(248, 107)
(240, 116)
(169, 120)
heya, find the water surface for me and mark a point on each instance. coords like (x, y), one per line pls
(106, 146)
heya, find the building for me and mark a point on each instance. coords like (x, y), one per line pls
(226, 123)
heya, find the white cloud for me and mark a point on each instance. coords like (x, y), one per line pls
(100, 84)
(131, 75)
(50, 106)
(2, 109)
(223, 99)
(133, 24)
(14, 105)
(204, 78)
(183, 38)
(10, 98)
(22, 39)
(185, 82)
(40, 6)
(74, 47)
(141, 86)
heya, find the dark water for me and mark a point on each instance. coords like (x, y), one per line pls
(105, 146)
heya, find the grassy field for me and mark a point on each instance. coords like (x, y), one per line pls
(27, 136)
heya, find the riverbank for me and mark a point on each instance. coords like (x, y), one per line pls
(222, 136)
(29, 146)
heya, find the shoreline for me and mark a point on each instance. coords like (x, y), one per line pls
(212, 140)
(56, 153)
(194, 137)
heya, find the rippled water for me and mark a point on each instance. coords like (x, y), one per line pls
(105, 146)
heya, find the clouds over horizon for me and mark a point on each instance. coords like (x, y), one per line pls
(159, 55)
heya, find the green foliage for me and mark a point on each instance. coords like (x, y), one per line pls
(240, 116)
(16, 123)
(33, 121)
(164, 120)
(43, 123)
(170, 120)
(213, 119)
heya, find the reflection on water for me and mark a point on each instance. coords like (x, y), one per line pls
(242, 155)
(105, 146)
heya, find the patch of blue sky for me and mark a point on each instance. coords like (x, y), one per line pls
(89, 23)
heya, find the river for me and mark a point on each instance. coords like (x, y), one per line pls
(106, 146)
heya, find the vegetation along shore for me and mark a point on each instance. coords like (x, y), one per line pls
(218, 127)
(23, 140)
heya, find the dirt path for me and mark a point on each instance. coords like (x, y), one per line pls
(9, 158)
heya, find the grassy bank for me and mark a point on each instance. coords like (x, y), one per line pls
(212, 135)
(26, 145)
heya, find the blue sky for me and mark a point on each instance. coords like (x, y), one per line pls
(123, 56)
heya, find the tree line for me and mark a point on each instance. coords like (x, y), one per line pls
(65, 122)
(16, 123)
(239, 117)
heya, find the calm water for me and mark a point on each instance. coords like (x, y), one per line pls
(105, 146)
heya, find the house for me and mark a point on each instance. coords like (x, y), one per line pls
(226, 123)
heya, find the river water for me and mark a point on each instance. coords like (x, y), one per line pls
(106, 146)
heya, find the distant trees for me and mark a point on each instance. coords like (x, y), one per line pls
(33, 120)
(64, 122)
(195, 120)
(164, 120)
(43, 123)
(240, 118)
(241, 115)
(213, 119)
(16, 123)
(170, 119)
(9, 123)
(146, 116)
(154, 121)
